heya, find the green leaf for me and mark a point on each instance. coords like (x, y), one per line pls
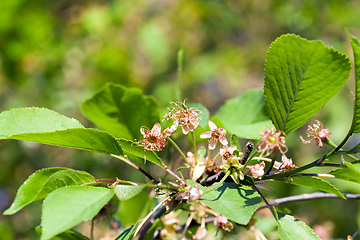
(350, 172)
(234, 140)
(355, 44)
(128, 234)
(34, 120)
(245, 115)
(291, 228)
(237, 203)
(67, 235)
(300, 77)
(66, 207)
(125, 192)
(316, 183)
(121, 111)
(48, 127)
(43, 182)
(130, 148)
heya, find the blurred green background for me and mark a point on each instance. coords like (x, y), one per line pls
(56, 54)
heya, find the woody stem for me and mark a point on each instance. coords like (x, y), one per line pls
(127, 161)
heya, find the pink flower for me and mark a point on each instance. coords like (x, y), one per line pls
(222, 222)
(215, 135)
(227, 152)
(286, 164)
(153, 140)
(257, 170)
(187, 118)
(271, 140)
(317, 132)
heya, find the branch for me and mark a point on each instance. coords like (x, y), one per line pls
(307, 196)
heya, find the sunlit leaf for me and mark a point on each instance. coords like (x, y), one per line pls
(43, 182)
(245, 115)
(67, 235)
(128, 234)
(300, 77)
(350, 172)
(316, 183)
(355, 44)
(48, 127)
(121, 111)
(66, 207)
(237, 203)
(125, 192)
(291, 228)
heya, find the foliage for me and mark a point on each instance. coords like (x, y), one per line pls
(300, 78)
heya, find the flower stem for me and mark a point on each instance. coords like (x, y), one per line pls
(194, 144)
(127, 161)
(179, 150)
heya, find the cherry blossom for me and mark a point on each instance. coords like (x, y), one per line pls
(215, 134)
(317, 132)
(257, 170)
(271, 139)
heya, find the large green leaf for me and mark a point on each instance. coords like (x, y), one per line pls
(67, 235)
(291, 228)
(316, 183)
(130, 148)
(245, 115)
(237, 203)
(43, 182)
(355, 44)
(33, 120)
(121, 111)
(350, 172)
(300, 77)
(66, 207)
(49, 127)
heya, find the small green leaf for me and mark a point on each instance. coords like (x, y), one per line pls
(43, 182)
(291, 228)
(350, 172)
(237, 203)
(128, 234)
(125, 192)
(355, 44)
(245, 115)
(130, 148)
(234, 140)
(66, 207)
(201, 152)
(67, 235)
(316, 183)
(121, 111)
(300, 77)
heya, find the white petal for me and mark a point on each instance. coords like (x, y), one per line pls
(156, 129)
(205, 135)
(212, 144)
(223, 140)
(212, 125)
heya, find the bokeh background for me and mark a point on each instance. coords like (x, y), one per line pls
(56, 54)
